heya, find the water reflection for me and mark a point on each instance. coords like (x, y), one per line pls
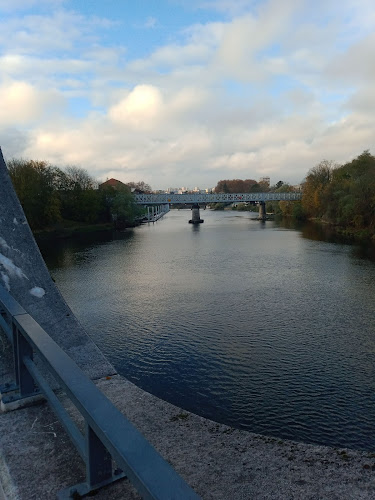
(65, 252)
(264, 326)
(327, 233)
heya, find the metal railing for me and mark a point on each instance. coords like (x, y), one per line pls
(108, 435)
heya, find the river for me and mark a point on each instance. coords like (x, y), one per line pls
(254, 324)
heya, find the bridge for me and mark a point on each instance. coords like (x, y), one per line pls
(159, 203)
(193, 198)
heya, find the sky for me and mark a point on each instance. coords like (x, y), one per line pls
(186, 92)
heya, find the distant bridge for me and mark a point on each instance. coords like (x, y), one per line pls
(191, 198)
(158, 204)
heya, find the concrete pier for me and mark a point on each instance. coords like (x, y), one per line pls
(195, 215)
(262, 210)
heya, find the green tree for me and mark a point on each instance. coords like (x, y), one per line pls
(79, 195)
(35, 183)
(120, 205)
(235, 186)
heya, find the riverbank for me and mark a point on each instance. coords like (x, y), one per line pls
(351, 234)
(70, 229)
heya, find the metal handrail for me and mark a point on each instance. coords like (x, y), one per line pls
(109, 435)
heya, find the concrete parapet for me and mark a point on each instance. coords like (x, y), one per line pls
(24, 273)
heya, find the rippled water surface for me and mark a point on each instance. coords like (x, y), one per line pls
(248, 323)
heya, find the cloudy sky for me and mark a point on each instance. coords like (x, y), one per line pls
(187, 92)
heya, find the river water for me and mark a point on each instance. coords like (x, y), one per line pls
(258, 325)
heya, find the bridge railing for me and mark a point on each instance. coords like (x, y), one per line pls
(150, 199)
(108, 435)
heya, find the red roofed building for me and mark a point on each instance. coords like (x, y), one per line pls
(113, 183)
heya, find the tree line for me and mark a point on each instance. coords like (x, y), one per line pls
(341, 195)
(51, 196)
(241, 186)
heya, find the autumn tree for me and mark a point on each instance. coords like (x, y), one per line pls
(315, 188)
(344, 195)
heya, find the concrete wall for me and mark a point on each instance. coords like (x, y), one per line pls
(24, 273)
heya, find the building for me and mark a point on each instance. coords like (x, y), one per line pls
(265, 180)
(113, 183)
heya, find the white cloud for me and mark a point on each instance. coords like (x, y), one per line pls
(21, 103)
(15, 5)
(271, 90)
(140, 109)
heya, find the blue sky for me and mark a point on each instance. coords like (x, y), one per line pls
(185, 93)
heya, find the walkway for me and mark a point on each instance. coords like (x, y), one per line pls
(219, 462)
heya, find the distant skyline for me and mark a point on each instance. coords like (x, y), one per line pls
(187, 92)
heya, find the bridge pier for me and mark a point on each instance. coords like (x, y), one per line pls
(262, 210)
(195, 215)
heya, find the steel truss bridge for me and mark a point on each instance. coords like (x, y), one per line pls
(165, 198)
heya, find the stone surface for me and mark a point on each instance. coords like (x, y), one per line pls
(219, 462)
(23, 271)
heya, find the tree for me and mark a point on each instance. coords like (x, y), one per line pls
(344, 195)
(35, 183)
(141, 187)
(79, 196)
(235, 186)
(315, 188)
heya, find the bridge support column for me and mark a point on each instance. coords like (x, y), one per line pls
(262, 210)
(195, 215)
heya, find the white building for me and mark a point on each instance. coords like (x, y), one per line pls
(265, 180)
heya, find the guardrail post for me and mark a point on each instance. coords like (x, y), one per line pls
(22, 349)
(98, 459)
(15, 355)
